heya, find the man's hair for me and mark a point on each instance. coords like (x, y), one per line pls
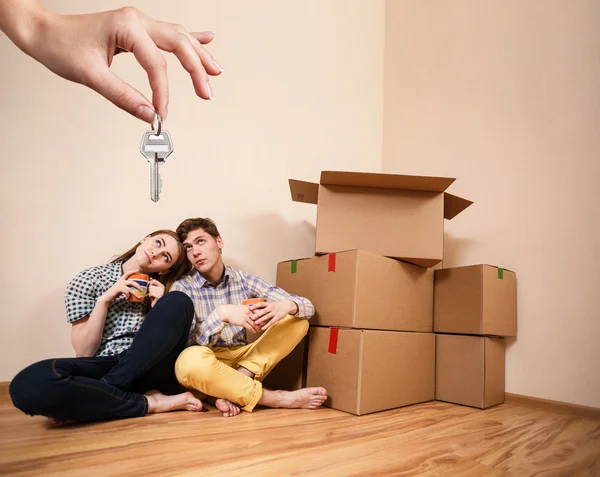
(189, 225)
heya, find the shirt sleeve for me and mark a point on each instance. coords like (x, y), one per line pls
(179, 286)
(81, 295)
(203, 332)
(262, 288)
(207, 332)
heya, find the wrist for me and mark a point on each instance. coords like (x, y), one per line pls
(294, 308)
(221, 313)
(32, 26)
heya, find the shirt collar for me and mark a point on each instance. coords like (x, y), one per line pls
(116, 270)
(227, 276)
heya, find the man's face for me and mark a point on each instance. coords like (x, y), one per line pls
(202, 250)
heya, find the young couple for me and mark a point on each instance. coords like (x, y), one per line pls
(131, 355)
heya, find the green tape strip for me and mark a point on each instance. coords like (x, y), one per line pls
(294, 266)
(500, 273)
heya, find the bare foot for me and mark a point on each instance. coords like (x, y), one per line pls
(59, 422)
(306, 398)
(158, 402)
(227, 407)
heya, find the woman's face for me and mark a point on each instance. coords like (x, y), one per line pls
(157, 254)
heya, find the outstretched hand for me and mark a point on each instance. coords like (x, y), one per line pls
(81, 48)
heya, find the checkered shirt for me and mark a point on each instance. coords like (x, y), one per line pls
(208, 329)
(123, 318)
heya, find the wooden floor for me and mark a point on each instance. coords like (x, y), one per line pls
(423, 440)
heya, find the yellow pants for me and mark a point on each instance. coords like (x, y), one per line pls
(213, 371)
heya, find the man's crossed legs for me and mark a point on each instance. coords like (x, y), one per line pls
(235, 373)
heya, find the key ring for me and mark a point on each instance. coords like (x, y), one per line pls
(159, 124)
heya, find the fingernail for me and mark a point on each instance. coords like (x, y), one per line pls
(210, 92)
(219, 67)
(145, 114)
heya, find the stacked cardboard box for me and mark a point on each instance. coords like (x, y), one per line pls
(474, 308)
(371, 342)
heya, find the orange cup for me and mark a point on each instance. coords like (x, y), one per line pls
(252, 301)
(142, 280)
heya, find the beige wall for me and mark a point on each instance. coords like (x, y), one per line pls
(505, 96)
(502, 95)
(303, 91)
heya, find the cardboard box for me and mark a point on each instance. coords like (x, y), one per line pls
(366, 371)
(469, 370)
(388, 214)
(358, 289)
(475, 300)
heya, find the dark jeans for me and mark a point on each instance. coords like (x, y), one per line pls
(110, 387)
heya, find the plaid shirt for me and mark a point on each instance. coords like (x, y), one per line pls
(123, 318)
(208, 329)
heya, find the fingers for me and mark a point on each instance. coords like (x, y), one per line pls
(264, 318)
(204, 37)
(138, 42)
(121, 94)
(258, 306)
(167, 37)
(134, 284)
(125, 290)
(269, 324)
(250, 326)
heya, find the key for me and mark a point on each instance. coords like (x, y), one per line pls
(156, 147)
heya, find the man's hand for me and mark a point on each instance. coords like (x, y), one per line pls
(266, 314)
(239, 315)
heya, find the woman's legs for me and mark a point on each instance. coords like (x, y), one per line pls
(149, 363)
(89, 389)
(71, 389)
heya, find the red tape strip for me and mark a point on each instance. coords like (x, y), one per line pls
(331, 262)
(333, 340)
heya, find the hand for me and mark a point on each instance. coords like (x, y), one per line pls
(156, 290)
(122, 285)
(238, 315)
(269, 313)
(81, 48)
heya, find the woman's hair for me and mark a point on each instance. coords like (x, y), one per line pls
(179, 267)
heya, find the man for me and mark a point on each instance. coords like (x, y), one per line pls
(224, 365)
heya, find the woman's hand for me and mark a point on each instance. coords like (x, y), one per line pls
(81, 48)
(122, 285)
(156, 290)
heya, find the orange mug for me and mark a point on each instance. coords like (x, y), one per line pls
(252, 301)
(142, 280)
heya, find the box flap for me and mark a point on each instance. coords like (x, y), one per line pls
(304, 191)
(386, 181)
(454, 205)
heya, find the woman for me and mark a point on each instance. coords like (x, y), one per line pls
(114, 375)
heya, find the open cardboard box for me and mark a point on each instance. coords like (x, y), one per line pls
(392, 215)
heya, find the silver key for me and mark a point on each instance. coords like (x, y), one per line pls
(156, 147)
